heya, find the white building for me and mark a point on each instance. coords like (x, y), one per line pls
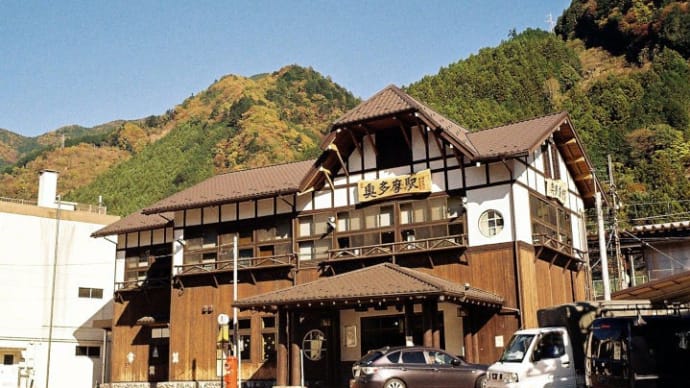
(56, 287)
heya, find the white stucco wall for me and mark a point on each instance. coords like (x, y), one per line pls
(27, 258)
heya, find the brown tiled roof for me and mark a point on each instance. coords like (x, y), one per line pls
(383, 281)
(387, 102)
(515, 139)
(136, 222)
(391, 101)
(236, 186)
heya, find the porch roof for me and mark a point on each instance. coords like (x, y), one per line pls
(672, 289)
(380, 284)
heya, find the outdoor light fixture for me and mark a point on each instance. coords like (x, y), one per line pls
(130, 357)
(331, 223)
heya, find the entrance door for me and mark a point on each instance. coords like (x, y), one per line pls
(158, 361)
(317, 338)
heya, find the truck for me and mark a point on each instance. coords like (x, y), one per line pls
(627, 343)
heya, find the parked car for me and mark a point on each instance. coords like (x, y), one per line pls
(415, 366)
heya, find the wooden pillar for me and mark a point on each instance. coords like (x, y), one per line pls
(282, 349)
(435, 326)
(470, 336)
(409, 312)
(427, 329)
(295, 354)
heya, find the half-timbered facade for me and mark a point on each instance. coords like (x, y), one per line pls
(407, 229)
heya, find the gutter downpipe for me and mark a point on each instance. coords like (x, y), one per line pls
(518, 278)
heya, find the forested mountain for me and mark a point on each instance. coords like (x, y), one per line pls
(620, 68)
(236, 123)
(637, 113)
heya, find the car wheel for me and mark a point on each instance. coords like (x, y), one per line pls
(480, 382)
(394, 383)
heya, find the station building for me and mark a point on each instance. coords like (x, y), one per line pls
(407, 229)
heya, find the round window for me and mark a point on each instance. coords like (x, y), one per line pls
(314, 345)
(490, 223)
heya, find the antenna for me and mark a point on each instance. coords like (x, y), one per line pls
(550, 22)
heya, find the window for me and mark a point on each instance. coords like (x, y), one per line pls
(550, 221)
(490, 223)
(393, 150)
(314, 249)
(7, 359)
(93, 293)
(244, 331)
(550, 346)
(413, 357)
(89, 351)
(136, 267)
(268, 338)
(314, 345)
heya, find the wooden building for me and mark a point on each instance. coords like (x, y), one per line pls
(408, 228)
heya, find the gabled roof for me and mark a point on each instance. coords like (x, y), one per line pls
(382, 282)
(521, 138)
(236, 186)
(136, 222)
(392, 101)
(516, 139)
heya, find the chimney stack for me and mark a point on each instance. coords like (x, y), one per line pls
(47, 188)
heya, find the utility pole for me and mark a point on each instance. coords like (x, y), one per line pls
(602, 246)
(616, 238)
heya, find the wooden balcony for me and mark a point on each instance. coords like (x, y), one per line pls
(551, 248)
(285, 260)
(457, 241)
(141, 284)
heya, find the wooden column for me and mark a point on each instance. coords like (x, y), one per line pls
(471, 345)
(295, 354)
(435, 326)
(427, 319)
(282, 349)
(409, 312)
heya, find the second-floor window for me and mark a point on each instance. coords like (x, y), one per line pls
(313, 237)
(211, 244)
(151, 262)
(550, 221)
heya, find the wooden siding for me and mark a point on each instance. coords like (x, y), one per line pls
(193, 333)
(129, 336)
(545, 284)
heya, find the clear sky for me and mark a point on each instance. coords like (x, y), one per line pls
(90, 62)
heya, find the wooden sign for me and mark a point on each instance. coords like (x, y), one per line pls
(419, 182)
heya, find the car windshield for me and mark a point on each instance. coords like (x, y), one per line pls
(517, 348)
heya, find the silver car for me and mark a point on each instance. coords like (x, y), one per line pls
(416, 366)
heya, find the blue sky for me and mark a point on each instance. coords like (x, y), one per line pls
(89, 62)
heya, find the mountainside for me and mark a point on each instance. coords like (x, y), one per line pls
(635, 110)
(637, 113)
(236, 123)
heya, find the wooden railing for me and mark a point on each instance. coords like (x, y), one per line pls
(554, 250)
(288, 259)
(145, 283)
(402, 247)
